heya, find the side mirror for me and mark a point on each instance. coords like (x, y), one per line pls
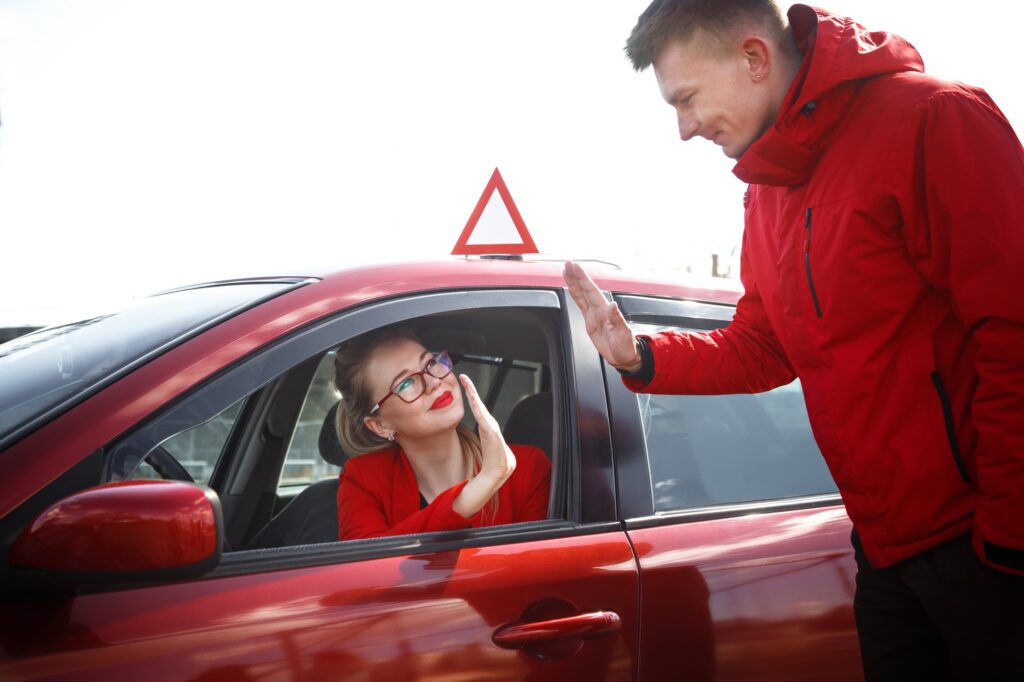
(121, 534)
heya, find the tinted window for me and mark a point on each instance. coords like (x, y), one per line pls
(722, 449)
(198, 449)
(42, 370)
(303, 464)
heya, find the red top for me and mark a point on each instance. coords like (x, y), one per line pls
(883, 264)
(378, 496)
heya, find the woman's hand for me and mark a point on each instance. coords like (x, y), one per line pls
(498, 460)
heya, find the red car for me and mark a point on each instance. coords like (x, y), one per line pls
(169, 477)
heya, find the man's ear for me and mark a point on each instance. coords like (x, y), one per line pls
(758, 57)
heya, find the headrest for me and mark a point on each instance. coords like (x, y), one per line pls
(530, 422)
(329, 445)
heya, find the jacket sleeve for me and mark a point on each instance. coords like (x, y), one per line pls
(964, 225)
(744, 357)
(361, 508)
(535, 483)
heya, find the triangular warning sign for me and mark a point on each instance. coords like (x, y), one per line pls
(495, 225)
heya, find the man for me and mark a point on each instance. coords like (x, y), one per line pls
(883, 265)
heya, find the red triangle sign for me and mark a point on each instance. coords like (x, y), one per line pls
(495, 227)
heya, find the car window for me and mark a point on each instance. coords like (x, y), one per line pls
(55, 367)
(197, 450)
(304, 464)
(515, 380)
(726, 449)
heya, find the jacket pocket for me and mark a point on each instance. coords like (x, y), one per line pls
(807, 263)
(947, 416)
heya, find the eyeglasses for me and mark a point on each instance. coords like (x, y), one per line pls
(412, 386)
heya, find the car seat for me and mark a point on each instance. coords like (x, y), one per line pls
(313, 515)
(530, 422)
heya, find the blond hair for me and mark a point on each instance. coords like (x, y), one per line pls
(355, 436)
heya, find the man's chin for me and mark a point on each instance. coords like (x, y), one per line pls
(733, 152)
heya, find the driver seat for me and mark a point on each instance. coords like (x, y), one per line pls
(312, 517)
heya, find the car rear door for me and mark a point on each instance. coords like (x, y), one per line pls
(743, 544)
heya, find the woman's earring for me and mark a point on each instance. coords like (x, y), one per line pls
(391, 436)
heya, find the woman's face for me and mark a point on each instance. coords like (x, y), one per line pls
(440, 407)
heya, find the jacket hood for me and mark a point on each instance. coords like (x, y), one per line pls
(839, 55)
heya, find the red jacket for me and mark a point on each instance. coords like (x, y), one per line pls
(378, 496)
(883, 264)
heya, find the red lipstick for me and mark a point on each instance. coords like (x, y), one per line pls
(443, 400)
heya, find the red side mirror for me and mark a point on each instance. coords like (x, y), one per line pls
(125, 532)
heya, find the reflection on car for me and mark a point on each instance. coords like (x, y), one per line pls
(172, 472)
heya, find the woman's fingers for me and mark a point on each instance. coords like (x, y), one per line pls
(483, 416)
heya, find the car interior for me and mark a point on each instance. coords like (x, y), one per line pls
(274, 456)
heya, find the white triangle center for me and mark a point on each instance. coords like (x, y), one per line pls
(495, 225)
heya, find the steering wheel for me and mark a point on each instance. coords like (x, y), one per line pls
(167, 466)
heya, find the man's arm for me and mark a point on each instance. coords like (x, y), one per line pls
(962, 201)
(744, 357)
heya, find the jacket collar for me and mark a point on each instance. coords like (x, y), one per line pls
(839, 55)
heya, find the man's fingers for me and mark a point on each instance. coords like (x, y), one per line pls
(582, 288)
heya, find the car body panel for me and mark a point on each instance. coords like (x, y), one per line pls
(729, 593)
(86, 427)
(761, 596)
(404, 617)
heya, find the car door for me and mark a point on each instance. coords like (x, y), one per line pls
(555, 599)
(743, 543)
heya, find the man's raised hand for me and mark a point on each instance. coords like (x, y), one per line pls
(606, 326)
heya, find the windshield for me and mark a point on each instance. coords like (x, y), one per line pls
(44, 373)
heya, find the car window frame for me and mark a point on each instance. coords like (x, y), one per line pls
(632, 461)
(260, 368)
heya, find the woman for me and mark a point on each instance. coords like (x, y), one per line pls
(413, 467)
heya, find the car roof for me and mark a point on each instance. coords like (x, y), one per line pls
(383, 280)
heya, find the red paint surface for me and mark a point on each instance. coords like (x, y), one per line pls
(124, 526)
(400, 618)
(40, 457)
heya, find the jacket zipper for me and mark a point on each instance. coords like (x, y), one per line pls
(807, 263)
(947, 415)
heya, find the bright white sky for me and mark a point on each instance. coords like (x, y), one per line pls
(147, 144)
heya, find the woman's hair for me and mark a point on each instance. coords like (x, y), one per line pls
(356, 401)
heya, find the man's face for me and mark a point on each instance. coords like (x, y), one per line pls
(719, 92)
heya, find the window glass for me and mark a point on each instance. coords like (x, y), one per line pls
(198, 449)
(40, 371)
(521, 378)
(723, 449)
(303, 464)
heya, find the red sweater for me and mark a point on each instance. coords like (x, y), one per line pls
(378, 496)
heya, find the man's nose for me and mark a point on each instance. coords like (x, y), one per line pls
(688, 126)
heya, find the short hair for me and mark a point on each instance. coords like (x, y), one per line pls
(665, 21)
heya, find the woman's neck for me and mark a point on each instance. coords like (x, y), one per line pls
(437, 463)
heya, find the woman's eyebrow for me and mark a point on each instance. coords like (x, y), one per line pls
(408, 371)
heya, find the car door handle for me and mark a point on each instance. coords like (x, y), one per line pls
(583, 625)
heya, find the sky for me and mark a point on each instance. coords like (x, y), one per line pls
(151, 144)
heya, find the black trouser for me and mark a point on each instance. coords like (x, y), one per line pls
(940, 615)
